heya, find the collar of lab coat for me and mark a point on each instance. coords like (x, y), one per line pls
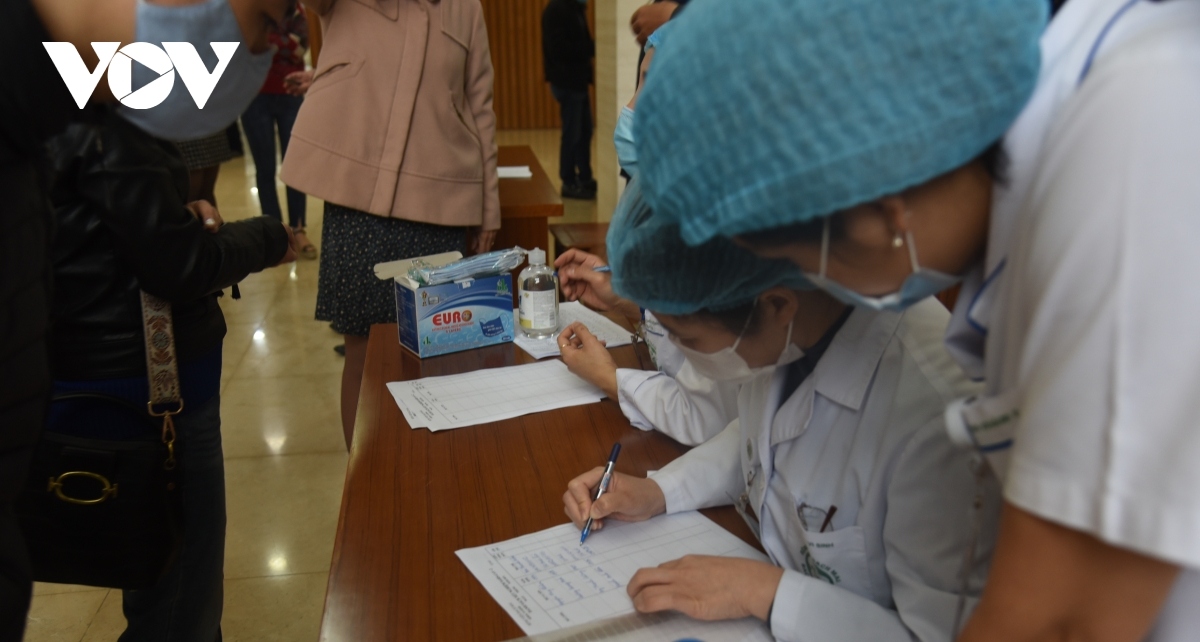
(844, 372)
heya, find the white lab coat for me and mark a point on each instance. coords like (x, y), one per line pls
(864, 432)
(1088, 310)
(674, 400)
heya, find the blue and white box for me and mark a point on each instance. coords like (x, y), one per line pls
(451, 317)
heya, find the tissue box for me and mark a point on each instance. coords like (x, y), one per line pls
(451, 317)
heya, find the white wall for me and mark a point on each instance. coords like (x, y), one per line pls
(616, 77)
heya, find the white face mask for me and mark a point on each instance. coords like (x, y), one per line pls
(729, 366)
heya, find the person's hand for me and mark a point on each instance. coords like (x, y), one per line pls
(628, 498)
(579, 280)
(588, 358)
(482, 240)
(298, 82)
(290, 255)
(206, 214)
(707, 588)
(648, 18)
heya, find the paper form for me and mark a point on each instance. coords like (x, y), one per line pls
(515, 171)
(547, 581)
(569, 312)
(667, 626)
(483, 396)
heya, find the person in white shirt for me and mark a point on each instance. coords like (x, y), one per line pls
(1076, 309)
(838, 457)
(674, 399)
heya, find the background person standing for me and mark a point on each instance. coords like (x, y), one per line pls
(274, 109)
(397, 135)
(568, 49)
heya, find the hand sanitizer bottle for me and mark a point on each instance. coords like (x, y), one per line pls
(537, 288)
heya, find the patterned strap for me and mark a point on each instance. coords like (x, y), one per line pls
(162, 369)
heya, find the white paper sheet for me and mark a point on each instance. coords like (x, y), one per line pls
(547, 581)
(483, 396)
(515, 171)
(569, 312)
(667, 626)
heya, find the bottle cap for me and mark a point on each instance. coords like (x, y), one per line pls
(537, 256)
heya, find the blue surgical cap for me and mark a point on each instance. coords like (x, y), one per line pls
(759, 114)
(656, 38)
(653, 267)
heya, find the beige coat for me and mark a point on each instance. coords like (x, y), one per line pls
(398, 121)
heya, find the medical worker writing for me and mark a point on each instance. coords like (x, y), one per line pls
(1077, 306)
(838, 458)
(675, 399)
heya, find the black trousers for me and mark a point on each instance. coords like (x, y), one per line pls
(575, 153)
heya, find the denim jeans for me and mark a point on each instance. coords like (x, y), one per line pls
(186, 604)
(575, 152)
(266, 113)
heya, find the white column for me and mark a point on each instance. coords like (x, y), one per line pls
(616, 78)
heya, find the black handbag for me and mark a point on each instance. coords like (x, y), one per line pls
(106, 512)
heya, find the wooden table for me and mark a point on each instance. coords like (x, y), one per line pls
(412, 498)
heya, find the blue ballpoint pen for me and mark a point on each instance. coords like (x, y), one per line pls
(605, 480)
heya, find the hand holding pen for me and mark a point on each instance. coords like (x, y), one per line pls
(585, 277)
(601, 488)
(627, 498)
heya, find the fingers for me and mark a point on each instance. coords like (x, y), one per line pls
(573, 256)
(569, 337)
(586, 338)
(290, 255)
(645, 578)
(589, 276)
(578, 498)
(207, 214)
(661, 597)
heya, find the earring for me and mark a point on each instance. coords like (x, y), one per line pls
(898, 241)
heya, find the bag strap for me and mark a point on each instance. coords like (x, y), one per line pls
(162, 369)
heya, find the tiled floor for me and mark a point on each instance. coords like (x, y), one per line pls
(284, 455)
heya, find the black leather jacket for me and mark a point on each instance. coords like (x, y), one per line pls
(119, 198)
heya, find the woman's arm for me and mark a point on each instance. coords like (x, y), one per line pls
(1066, 585)
(478, 91)
(706, 476)
(124, 174)
(687, 407)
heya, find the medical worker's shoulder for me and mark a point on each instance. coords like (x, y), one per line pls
(1153, 38)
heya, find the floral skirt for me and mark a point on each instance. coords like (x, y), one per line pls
(352, 242)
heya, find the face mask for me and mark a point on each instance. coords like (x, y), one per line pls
(729, 366)
(623, 139)
(921, 284)
(177, 118)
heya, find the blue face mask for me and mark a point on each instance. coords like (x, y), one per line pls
(623, 139)
(177, 118)
(919, 285)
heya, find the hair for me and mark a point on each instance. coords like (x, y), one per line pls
(743, 319)
(995, 162)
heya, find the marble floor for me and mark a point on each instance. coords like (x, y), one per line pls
(284, 454)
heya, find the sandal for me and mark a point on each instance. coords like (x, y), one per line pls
(307, 250)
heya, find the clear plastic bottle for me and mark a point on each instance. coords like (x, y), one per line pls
(537, 288)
